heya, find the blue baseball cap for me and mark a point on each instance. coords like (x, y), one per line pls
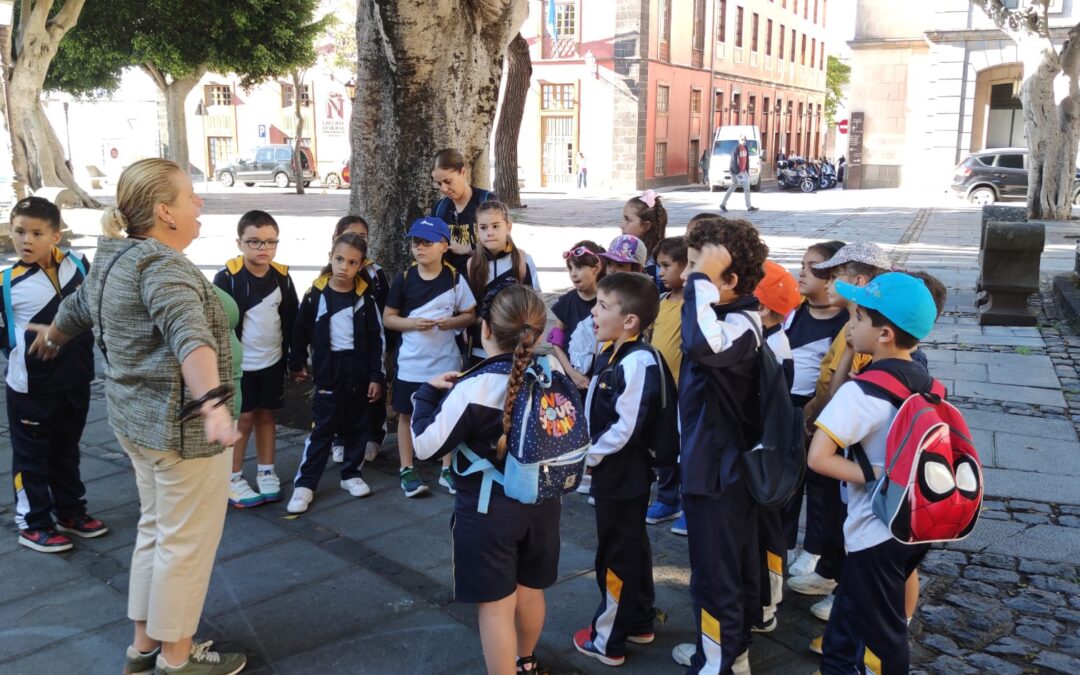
(429, 228)
(901, 298)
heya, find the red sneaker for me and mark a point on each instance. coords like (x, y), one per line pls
(584, 644)
(84, 526)
(46, 541)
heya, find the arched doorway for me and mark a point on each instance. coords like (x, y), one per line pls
(997, 117)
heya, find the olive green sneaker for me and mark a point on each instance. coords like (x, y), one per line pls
(137, 663)
(202, 661)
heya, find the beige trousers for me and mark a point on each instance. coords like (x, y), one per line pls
(182, 504)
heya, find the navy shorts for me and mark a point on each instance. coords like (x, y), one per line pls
(493, 554)
(401, 397)
(264, 388)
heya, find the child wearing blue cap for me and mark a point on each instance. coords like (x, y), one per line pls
(429, 303)
(893, 312)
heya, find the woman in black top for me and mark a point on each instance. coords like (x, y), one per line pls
(458, 206)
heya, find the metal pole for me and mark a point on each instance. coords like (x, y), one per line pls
(206, 157)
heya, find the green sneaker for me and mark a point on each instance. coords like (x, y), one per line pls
(203, 662)
(446, 479)
(411, 484)
(137, 663)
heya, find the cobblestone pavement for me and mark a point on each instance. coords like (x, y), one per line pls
(364, 586)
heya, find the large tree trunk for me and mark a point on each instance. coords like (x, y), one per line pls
(176, 92)
(414, 99)
(298, 164)
(518, 75)
(38, 157)
(1050, 96)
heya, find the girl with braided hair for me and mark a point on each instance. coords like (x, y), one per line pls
(504, 558)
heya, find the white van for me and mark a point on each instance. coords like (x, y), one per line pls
(724, 142)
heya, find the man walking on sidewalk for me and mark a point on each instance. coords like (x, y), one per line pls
(740, 174)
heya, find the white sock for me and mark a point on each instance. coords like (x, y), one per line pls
(266, 468)
(237, 476)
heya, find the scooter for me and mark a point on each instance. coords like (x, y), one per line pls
(793, 176)
(827, 181)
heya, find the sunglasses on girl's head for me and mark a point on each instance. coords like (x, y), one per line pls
(577, 253)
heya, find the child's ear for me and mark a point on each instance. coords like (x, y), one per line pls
(632, 323)
(57, 235)
(730, 281)
(485, 329)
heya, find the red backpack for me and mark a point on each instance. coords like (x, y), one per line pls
(932, 486)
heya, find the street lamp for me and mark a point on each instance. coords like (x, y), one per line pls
(200, 112)
(350, 89)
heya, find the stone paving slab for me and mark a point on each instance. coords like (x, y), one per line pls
(1014, 451)
(1008, 392)
(1041, 542)
(1040, 487)
(1028, 426)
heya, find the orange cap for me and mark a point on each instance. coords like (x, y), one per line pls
(778, 290)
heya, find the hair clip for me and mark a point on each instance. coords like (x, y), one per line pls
(649, 197)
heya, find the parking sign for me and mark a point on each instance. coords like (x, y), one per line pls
(262, 131)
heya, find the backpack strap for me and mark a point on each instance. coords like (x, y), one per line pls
(9, 311)
(891, 385)
(859, 455)
(478, 464)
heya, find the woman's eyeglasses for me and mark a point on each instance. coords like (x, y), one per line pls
(260, 244)
(577, 253)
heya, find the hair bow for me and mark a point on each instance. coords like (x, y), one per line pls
(649, 197)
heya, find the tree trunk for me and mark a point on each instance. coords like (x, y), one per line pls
(298, 164)
(518, 75)
(413, 100)
(38, 157)
(1050, 96)
(176, 93)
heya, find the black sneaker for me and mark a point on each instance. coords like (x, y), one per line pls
(752, 209)
(723, 208)
(766, 626)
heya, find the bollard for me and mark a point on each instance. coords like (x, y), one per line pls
(1009, 272)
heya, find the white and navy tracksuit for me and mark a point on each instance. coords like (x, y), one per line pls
(500, 273)
(268, 306)
(344, 332)
(810, 340)
(47, 401)
(512, 543)
(771, 521)
(718, 408)
(626, 422)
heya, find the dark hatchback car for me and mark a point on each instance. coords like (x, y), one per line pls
(995, 175)
(267, 164)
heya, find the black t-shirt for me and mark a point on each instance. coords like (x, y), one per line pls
(462, 224)
(576, 317)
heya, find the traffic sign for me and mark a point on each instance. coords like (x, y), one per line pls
(842, 127)
(262, 131)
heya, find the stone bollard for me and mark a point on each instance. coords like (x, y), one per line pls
(1000, 214)
(1009, 272)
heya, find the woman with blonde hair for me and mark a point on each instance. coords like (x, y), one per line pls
(165, 339)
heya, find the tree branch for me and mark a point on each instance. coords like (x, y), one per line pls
(155, 74)
(1021, 25)
(65, 19)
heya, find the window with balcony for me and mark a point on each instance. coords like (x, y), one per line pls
(698, 55)
(217, 94)
(556, 97)
(565, 18)
(738, 26)
(663, 98)
(660, 161)
(754, 32)
(721, 28)
(768, 38)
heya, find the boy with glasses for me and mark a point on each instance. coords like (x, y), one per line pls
(429, 304)
(266, 296)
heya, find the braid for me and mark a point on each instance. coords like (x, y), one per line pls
(522, 355)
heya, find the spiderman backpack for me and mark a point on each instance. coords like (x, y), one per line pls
(932, 486)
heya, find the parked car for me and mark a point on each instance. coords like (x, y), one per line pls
(999, 174)
(268, 164)
(337, 179)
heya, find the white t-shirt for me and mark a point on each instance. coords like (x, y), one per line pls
(425, 354)
(262, 331)
(853, 417)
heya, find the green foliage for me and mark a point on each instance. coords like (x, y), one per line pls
(837, 76)
(257, 39)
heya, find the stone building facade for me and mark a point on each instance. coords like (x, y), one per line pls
(935, 80)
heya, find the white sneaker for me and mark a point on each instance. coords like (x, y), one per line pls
(792, 556)
(742, 664)
(337, 453)
(356, 487)
(682, 653)
(269, 486)
(371, 452)
(585, 486)
(242, 496)
(803, 565)
(301, 497)
(823, 608)
(811, 584)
